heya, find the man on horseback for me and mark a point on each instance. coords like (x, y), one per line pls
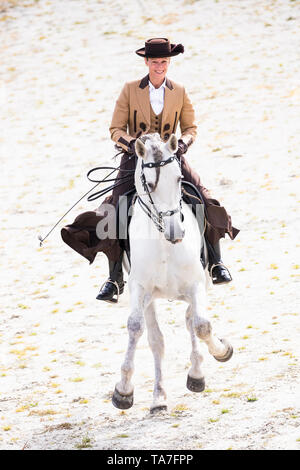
(156, 104)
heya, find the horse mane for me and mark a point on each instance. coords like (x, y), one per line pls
(154, 141)
(155, 138)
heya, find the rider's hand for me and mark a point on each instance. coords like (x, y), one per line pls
(131, 149)
(182, 148)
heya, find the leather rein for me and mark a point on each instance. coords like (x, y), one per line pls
(155, 215)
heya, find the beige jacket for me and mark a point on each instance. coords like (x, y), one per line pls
(131, 117)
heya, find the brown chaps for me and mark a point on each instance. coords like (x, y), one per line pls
(82, 237)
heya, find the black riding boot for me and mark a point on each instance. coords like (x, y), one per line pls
(114, 286)
(217, 270)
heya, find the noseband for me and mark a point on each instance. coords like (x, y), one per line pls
(157, 216)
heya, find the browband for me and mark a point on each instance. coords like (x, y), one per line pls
(158, 164)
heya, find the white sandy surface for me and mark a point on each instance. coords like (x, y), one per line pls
(63, 63)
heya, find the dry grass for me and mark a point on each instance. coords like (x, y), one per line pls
(6, 4)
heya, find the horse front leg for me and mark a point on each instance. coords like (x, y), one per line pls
(195, 378)
(123, 394)
(156, 342)
(221, 349)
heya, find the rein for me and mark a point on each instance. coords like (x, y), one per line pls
(98, 194)
(157, 216)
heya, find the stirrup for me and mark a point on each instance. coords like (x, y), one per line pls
(112, 301)
(219, 264)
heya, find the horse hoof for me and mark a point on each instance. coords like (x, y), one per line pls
(228, 353)
(195, 385)
(157, 409)
(123, 402)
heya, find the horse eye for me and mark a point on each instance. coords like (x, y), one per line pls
(151, 186)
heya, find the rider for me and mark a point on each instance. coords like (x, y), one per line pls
(156, 104)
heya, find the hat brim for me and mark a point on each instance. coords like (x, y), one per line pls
(175, 50)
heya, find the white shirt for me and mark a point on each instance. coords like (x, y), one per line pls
(157, 97)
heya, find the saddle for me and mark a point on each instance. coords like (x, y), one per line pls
(190, 195)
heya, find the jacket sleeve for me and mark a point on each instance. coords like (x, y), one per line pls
(120, 120)
(187, 121)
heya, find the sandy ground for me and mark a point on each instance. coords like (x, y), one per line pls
(63, 63)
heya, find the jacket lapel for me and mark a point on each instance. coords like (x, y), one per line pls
(166, 123)
(143, 100)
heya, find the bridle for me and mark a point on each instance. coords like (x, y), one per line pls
(155, 215)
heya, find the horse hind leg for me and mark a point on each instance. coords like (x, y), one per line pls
(156, 342)
(195, 378)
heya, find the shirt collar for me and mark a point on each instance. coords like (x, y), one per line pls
(151, 87)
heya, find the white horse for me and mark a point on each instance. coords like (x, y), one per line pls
(165, 246)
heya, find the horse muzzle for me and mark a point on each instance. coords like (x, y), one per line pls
(175, 240)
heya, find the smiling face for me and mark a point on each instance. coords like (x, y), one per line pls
(158, 68)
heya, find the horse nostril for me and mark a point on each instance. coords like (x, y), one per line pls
(177, 240)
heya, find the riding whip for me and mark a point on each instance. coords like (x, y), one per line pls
(93, 196)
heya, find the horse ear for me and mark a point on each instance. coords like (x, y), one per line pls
(172, 143)
(140, 148)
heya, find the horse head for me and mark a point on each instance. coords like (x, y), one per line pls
(158, 183)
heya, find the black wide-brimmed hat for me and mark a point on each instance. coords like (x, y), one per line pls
(160, 47)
